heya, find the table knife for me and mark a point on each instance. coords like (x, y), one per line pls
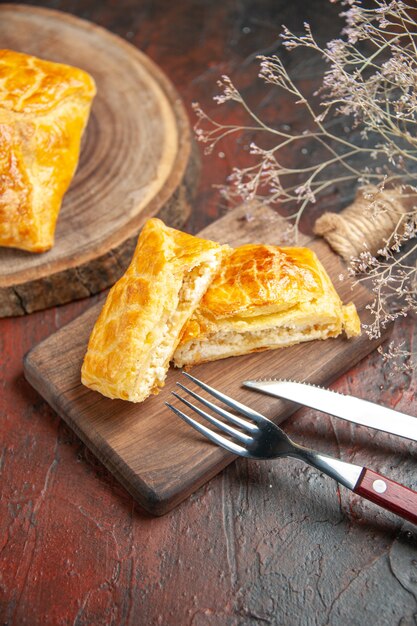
(337, 404)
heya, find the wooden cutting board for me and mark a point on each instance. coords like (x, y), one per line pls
(136, 161)
(159, 459)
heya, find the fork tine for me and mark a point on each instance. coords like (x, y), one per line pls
(213, 420)
(234, 419)
(238, 406)
(214, 437)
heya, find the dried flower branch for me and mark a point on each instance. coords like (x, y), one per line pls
(370, 86)
(393, 280)
(374, 92)
(398, 359)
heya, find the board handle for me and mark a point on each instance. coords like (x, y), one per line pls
(388, 494)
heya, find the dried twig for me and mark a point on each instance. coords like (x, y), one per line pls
(370, 85)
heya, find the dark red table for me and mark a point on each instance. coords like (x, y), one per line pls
(262, 543)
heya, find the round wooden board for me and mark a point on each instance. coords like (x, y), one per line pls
(136, 161)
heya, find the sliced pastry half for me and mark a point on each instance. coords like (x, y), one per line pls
(264, 297)
(140, 324)
(44, 108)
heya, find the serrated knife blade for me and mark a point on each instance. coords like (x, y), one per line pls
(337, 404)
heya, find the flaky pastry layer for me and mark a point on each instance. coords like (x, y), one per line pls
(264, 297)
(139, 326)
(44, 108)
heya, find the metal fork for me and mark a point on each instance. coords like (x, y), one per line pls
(258, 438)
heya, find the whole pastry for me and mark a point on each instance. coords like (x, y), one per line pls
(264, 297)
(44, 108)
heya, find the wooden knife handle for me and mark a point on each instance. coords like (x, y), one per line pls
(388, 494)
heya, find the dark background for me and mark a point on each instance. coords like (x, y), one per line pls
(262, 543)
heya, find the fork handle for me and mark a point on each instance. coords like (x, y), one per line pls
(388, 494)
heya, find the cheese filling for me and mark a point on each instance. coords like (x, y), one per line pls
(193, 287)
(228, 343)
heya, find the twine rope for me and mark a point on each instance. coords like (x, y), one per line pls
(367, 223)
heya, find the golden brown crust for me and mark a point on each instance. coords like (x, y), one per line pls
(44, 108)
(351, 321)
(264, 297)
(257, 278)
(139, 326)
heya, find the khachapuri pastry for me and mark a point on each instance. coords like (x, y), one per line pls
(140, 324)
(264, 297)
(44, 108)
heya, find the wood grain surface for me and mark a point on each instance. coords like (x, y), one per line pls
(154, 455)
(136, 161)
(262, 542)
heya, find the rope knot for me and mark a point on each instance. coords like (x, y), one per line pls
(367, 223)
